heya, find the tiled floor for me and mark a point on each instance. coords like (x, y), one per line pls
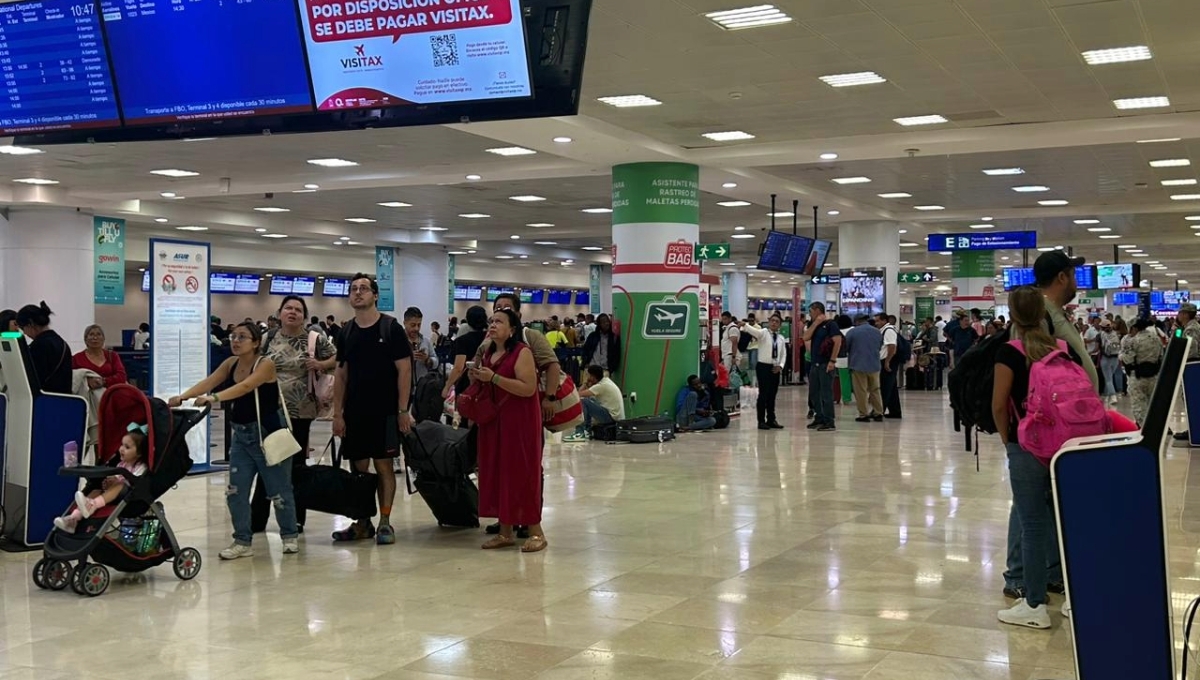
(872, 553)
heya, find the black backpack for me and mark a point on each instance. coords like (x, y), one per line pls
(744, 340)
(970, 385)
(427, 402)
(903, 350)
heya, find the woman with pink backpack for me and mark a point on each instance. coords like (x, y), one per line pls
(1041, 398)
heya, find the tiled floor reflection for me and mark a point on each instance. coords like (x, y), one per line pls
(872, 553)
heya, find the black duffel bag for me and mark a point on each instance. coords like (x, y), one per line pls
(334, 490)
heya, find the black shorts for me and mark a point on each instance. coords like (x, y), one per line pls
(369, 438)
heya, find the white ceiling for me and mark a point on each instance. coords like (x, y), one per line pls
(1008, 75)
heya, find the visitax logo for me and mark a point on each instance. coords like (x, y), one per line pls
(361, 59)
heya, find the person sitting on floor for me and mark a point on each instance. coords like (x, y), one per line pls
(602, 404)
(693, 410)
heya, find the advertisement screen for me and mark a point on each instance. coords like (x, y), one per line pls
(193, 60)
(863, 292)
(816, 261)
(336, 288)
(222, 283)
(1111, 276)
(304, 286)
(379, 53)
(55, 68)
(146, 281)
(247, 284)
(281, 285)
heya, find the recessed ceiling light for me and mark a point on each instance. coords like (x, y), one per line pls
(511, 151)
(527, 198)
(853, 79)
(344, 238)
(851, 180)
(1170, 163)
(741, 236)
(834, 213)
(1185, 197)
(995, 172)
(434, 229)
(748, 17)
(457, 252)
(1153, 262)
(192, 227)
(627, 101)
(983, 226)
(1139, 254)
(739, 228)
(1116, 55)
(539, 225)
(903, 231)
(1099, 230)
(505, 257)
(35, 180)
(312, 187)
(394, 204)
(1158, 141)
(728, 136)
(360, 220)
(1087, 221)
(1030, 189)
(1178, 182)
(273, 209)
(596, 211)
(751, 266)
(332, 162)
(1044, 250)
(161, 220)
(174, 172)
(474, 216)
(1141, 103)
(904, 262)
(932, 268)
(474, 178)
(545, 243)
(729, 264)
(19, 150)
(304, 191)
(1127, 246)
(563, 140)
(515, 237)
(593, 248)
(274, 235)
(1054, 202)
(733, 204)
(907, 244)
(928, 207)
(1182, 280)
(932, 119)
(896, 194)
(729, 185)
(261, 230)
(829, 156)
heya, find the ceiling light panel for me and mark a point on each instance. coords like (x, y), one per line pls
(394, 204)
(756, 16)
(628, 101)
(1141, 103)
(932, 119)
(539, 225)
(728, 136)
(733, 204)
(596, 211)
(527, 198)
(474, 216)
(19, 150)
(999, 172)
(896, 194)
(1170, 163)
(928, 207)
(512, 151)
(37, 181)
(1054, 202)
(851, 180)
(272, 209)
(1087, 221)
(1117, 55)
(1030, 189)
(360, 220)
(332, 162)
(853, 79)
(1178, 182)
(1185, 197)
(174, 172)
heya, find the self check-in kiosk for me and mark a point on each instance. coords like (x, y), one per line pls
(37, 428)
(1108, 496)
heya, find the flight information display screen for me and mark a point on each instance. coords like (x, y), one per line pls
(378, 53)
(188, 60)
(55, 68)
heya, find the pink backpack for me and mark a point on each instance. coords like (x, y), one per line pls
(1061, 404)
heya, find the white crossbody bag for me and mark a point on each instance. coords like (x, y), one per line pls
(280, 444)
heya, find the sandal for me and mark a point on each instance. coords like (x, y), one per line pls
(535, 544)
(498, 542)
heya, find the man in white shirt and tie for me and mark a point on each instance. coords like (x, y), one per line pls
(772, 355)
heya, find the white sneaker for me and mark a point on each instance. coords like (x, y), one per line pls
(1066, 609)
(67, 523)
(291, 546)
(84, 504)
(1022, 614)
(235, 551)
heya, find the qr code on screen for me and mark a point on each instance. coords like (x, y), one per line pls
(445, 50)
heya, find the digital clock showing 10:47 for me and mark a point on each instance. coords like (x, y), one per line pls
(83, 10)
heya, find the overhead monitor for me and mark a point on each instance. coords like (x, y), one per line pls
(537, 297)
(336, 287)
(247, 284)
(1125, 298)
(494, 293)
(863, 291)
(818, 258)
(558, 297)
(583, 297)
(1010, 240)
(55, 68)
(304, 286)
(219, 283)
(1014, 277)
(281, 285)
(783, 252)
(195, 60)
(1110, 276)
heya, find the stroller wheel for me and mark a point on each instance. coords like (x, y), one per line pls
(39, 572)
(77, 579)
(57, 575)
(94, 580)
(187, 564)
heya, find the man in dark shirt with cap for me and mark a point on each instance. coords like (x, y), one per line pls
(1054, 273)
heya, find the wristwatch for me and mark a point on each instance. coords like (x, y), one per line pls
(551, 398)
(215, 398)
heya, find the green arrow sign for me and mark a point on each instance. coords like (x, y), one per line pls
(712, 251)
(916, 277)
(667, 320)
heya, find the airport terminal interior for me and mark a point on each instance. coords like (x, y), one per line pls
(660, 162)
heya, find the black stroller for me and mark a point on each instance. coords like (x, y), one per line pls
(132, 535)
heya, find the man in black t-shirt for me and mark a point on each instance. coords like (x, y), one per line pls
(372, 390)
(824, 366)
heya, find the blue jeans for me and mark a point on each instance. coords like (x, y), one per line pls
(820, 389)
(686, 417)
(594, 413)
(1032, 505)
(246, 460)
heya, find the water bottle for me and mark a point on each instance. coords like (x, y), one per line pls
(70, 454)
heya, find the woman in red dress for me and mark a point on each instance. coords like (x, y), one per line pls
(104, 362)
(510, 446)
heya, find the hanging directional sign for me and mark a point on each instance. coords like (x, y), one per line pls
(916, 277)
(712, 251)
(825, 279)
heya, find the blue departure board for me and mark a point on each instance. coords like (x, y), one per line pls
(55, 68)
(188, 60)
(1014, 277)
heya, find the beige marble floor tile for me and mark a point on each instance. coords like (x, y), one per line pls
(493, 659)
(594, 664)
(676, 643)
(843, 629)
(835, 662)
(558, 630)
(1009, 644)
(908, 666)
(882, 605)
(623, 605)
(658, 584)
(749, 617)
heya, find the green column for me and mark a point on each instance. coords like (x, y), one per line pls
(656, 217)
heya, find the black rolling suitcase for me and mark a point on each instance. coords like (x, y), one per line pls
(914, 379)
(646, 430)
(441, 457)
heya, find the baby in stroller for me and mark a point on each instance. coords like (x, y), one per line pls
(133, 455)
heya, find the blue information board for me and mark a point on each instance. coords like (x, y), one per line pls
(1085, 277)
(185, 60)
(1127, 298)
(785, 253)
(55, 68)
(1008, 240)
